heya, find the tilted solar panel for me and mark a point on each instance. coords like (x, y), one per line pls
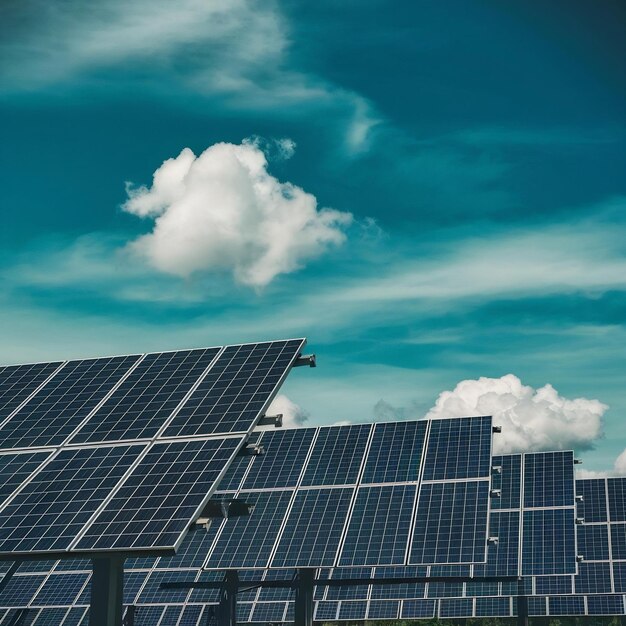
(100, 472)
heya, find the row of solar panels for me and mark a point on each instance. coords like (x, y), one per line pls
(98, 454)
(66, 582)
(262, 613)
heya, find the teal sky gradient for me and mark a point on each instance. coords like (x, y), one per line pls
(480, 147)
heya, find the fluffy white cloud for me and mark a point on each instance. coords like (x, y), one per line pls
(223, 211)
(531, 419)
(293, 415)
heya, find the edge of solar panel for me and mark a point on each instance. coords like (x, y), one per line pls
(54, 450)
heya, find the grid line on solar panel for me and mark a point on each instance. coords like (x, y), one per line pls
(247, 541)
(236, 390)
(140, 406)
(16, 468)
(379, 525)
(48, 511)
(152, 507)
(395, 453)
(313, 528)
(548, 479)
(64, 402)
(451, 523)
(458, 448)
(18, 383)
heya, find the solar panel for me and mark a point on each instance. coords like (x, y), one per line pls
(142, 403)
(379, 526)
(154, 504)
(451, 523)
(236, 389)
(548, 479)
(367, 521)
(18, 382)
(60, 406)
(50, 510)
(143, 492)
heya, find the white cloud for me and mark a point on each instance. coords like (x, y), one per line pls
(223, 211)
(531, 419)
(293, 415)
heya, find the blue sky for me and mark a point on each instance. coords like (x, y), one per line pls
(478, 147)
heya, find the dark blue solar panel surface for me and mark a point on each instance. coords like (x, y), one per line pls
(53, 507)
(618, 541)
(281, 464)
(566, 605)
(493, 607)
(20, 590)
(395, 453)
(142, 403)
(17, 382)
(593, 542)
(508, 480)
(593, 507)
(157, 501)
(383, 610)
(15, 468)
(236, 390)
(503, 557)
(60, 589)
(593, 578)
(605, 605)
(64, 402)
(416, 609)
(548, 541)
(337, 455)
(548, 479)
(451, 523)
(457, 607)
(617, 499)
(247, 541)
(458, 448)
(379, 526)
(313, 529)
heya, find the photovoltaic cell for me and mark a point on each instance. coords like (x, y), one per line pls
(395, 453)
(281, 464)
(617, 499)
(548, 541)
(236, 390)
(493, 607)
(508, 481)
(416, 609)
(605, 605)
(593, 542)
(618, 541)
(383, 609)
(60, 589)
(53, 507)
(593, 578)
(593, 506)
(379, 526)
(458, 448)
(566, 605)
(313, 528)
(16, 468)
(337, 455)
(17, 382)
(503, 557)
(352, 610)
(20, 590)
(247, 541)
(64, 402)
(451, 523)
(142, 403)
(456, 607)
(548, 479)
(156, 502)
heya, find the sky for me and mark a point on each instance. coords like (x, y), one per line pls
(432, 193)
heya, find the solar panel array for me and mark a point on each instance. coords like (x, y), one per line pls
(44, 585)
(120, 453)
(384, 494)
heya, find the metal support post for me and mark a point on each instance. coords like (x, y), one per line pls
(107, 591)
(227, 610)
(304, 597)
(522, 604)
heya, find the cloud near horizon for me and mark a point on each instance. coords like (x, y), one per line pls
(223, 211)
(531, 419)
